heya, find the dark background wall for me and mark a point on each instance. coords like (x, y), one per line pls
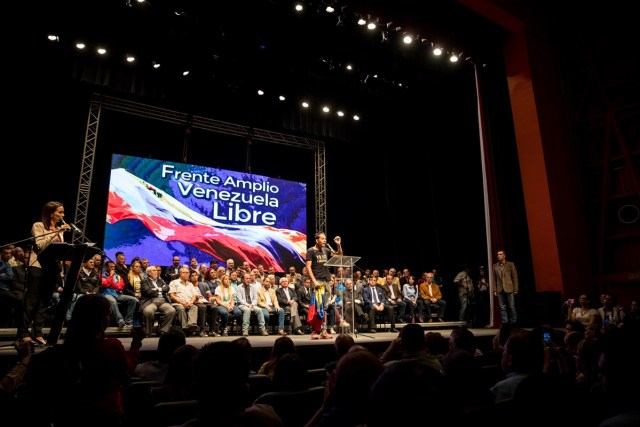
(403, 185)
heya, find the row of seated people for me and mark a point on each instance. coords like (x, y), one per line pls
(193, 304)
(206, 308)
(258, 303)
(409, 304)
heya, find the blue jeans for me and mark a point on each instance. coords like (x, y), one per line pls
(507, 307)
(129, 301)
(72, 305)
(279, 313)
(225, 316)
(246, 317)
(464, 303)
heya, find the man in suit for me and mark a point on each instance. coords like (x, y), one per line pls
(430, 293)
(353, 301)
(152, 299)
(393, 295)
(268, 303)
(247, 296)
(505, 285)
(288, 297)
(173, 271)
(373, 296)
(304, 298)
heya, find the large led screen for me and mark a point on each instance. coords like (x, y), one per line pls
(158, 209)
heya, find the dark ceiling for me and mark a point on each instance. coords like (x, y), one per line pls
(234, 47)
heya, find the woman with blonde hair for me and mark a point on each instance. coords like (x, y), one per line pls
(225, 298)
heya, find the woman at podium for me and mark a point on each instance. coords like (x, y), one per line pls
(44, 272)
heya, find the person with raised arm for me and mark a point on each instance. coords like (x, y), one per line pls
(320, 275)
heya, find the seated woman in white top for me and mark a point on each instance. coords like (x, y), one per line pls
(584, 313)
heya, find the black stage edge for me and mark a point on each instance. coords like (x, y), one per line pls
(315, 352)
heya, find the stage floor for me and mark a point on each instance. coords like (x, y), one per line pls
(315, 352)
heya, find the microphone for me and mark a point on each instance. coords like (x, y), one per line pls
(330, 248)
(76, 229)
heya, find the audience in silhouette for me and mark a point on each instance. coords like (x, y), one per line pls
(82, 378)
(591, 369)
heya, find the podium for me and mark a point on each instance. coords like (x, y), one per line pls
(66, 252)
(342, 261)
(346, 261)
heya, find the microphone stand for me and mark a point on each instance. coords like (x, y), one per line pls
(353, 309)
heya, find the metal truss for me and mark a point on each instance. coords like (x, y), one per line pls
(100, 102)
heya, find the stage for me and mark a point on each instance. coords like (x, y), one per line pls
(315, 352)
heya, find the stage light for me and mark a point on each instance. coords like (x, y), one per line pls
(361, 21)
(437, 51)
(391, 28)
(371, 26)
(407, 39)
(330, 9)
(101, 51)
(305, 104)
(260, 92)
(356, 117)
(298, 7)
(326, 109)
(53, 38)
(131, 58)
(453, 58)
(156, 65)
(282, 98)
(185, 73)
(340, 113)
(80, 46)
